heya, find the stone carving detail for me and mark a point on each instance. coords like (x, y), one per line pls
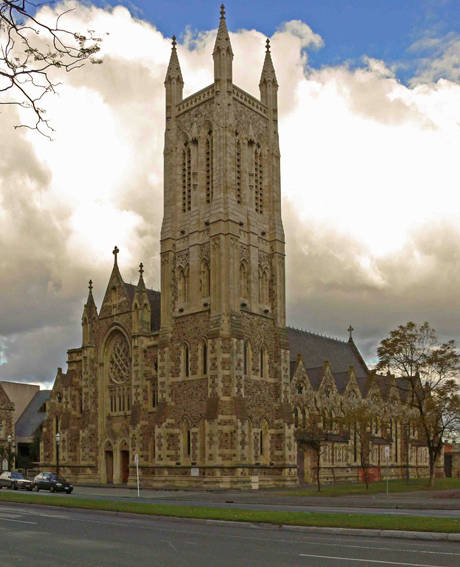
(244, 252)
(264, 260)
(204, 251)
(182, 259)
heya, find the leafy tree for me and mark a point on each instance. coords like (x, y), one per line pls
(31, 49)
(430, 371)
(358, 417)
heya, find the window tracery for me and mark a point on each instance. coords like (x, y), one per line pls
(258, 181)
(186, 178)
(209, 168)
(238, 171)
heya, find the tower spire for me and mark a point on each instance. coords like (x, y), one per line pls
(268, 84)
(223, 55)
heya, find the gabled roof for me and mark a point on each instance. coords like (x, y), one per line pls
(155, 304)
(32, 417)
(5, 402)
(316, 349)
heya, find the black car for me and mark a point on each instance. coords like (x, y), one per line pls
(15, 481)
(51, 482)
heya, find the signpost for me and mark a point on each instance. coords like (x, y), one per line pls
(136, 460)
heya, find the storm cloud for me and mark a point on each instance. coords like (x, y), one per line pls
(369, 178)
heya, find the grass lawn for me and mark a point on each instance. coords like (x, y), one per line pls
(367, 521)
(376, 487)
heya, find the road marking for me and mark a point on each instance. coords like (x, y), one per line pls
(406, 550)
(368, 560)
(17, 521)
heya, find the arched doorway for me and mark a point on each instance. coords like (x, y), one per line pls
(108, 454)
(124, 463)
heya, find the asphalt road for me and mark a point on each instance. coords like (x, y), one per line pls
(34, 536)
(243, 501)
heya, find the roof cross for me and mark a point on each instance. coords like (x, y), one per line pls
(350, 330)
(174, 42)
(90, 285)
(115, 253)
(141, 268)
(267, 45)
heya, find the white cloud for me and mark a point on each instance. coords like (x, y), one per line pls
(369, 170)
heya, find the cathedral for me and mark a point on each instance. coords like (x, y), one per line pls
(203, 384)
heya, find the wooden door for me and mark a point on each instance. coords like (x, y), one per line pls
(124, 462)
(109, 466)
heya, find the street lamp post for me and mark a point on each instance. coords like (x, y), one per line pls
(10, 439)
(58, 439)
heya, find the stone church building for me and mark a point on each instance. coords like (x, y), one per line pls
(204, 382)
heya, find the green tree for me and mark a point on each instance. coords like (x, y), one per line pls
(430, 372)
(357, 417)
(31, 49)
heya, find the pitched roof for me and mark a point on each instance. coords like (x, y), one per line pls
(5, 402)
(31, 418)
(316, 349)
(315, 376)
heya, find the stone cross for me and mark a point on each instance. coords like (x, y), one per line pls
(115, 253)
(350, 330)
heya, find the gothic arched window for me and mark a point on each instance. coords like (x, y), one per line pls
(186, 178)
(185, 360)
(204, 279)
(204, 357)
(182, 285)
(209, 167)
(263, 286)
(244, 280)
(247, 358)
(258, 181)
(238, 171)
(263, 362)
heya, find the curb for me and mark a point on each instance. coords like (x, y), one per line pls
(395, 534)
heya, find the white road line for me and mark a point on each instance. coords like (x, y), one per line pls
(368, 560)
(17, 521)
(405, 550)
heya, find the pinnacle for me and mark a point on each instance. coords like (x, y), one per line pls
(268, 70)
(174, 71)
(223, 38)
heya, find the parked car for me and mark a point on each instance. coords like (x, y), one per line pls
(15, 481)
(51, 482)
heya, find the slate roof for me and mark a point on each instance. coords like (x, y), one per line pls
(316, 349)
(31, 418)
(155, 302)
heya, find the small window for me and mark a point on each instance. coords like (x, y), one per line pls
(187, 361)
(189, 443)
(205, 358)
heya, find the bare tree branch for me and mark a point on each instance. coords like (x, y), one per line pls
(31, 49)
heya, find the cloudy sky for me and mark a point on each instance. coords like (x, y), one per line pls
(370, 140)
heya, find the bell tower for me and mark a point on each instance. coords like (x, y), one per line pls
(224, 358)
